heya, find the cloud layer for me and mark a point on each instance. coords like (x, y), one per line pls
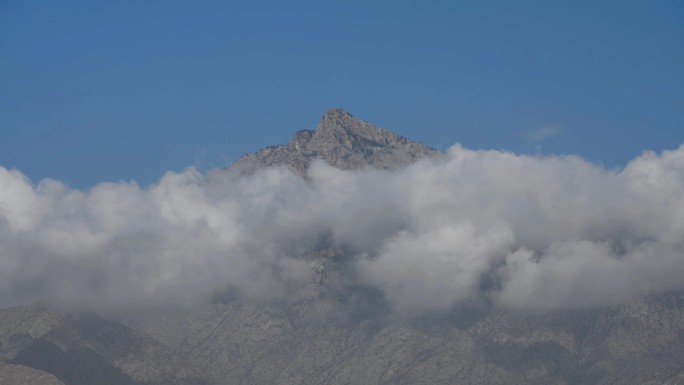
(530, 233)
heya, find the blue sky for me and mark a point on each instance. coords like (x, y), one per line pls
(107, 91)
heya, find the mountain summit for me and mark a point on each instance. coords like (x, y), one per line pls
(343, 141)
(340, 128)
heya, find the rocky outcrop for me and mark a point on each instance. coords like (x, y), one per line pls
(343, 141)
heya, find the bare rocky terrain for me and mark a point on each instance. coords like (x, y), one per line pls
(22, 375)
(333, 330)
(83, 348)
(343, 141)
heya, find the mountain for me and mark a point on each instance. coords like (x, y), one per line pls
(23, 375)
(343, 141)
(309, 341)
(83, 348)
(334, 330)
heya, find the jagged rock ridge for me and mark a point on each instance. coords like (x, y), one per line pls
(343, 141)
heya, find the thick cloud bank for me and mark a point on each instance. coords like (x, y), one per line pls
(531, 233)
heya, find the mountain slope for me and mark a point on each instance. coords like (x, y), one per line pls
(82, 348)
(22, 375)
(639, 342)
(343, 141)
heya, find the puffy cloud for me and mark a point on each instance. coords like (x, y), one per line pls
(121, 246)
(532, 233)
(431, 270)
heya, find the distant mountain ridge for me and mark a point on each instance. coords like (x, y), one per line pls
(343, 141)
(83, 349)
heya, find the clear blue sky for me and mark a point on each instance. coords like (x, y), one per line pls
(95, 91)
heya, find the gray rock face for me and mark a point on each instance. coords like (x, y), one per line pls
(676, 380)
(310, 339)
(22, 375)
(21, 325)
(343, 141)
(306, 340)
(85, 349)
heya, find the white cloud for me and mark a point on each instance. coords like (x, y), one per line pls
(554, 232)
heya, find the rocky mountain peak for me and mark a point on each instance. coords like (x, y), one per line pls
(340, 128)
(343, 141)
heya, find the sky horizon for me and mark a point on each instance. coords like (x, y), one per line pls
(100, 93)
